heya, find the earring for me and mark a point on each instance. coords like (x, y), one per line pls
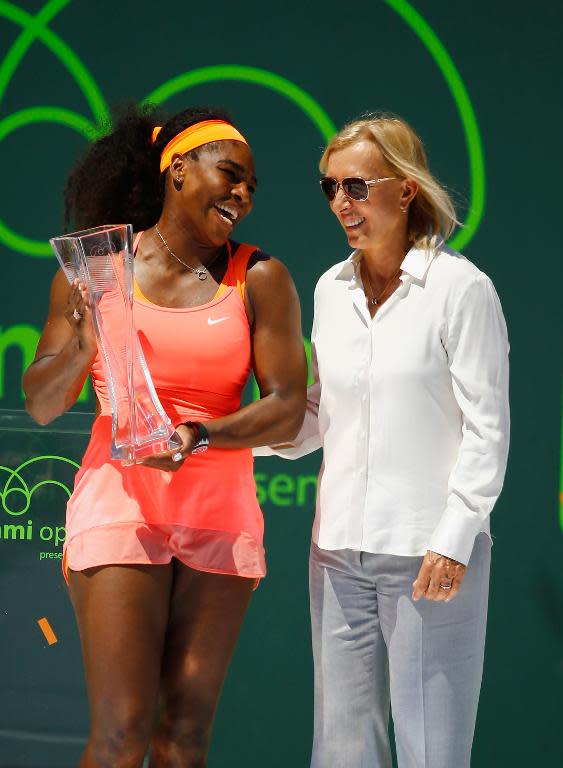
(403, 210)
(178, 179)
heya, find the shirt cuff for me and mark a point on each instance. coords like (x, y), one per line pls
(454, 535)
(263, 450)
(293, 452)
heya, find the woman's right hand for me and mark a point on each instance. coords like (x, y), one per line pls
(78, 313)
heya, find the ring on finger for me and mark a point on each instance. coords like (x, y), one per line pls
(76, 314)
(446, 586)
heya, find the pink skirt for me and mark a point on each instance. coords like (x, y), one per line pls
(206, 514)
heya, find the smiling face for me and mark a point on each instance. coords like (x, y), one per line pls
(213, 192)
(379, 218)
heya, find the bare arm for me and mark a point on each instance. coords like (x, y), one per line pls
(279, 364)
(64, 354)
(308, 439)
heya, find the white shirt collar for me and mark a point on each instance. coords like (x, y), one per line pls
(415, 263)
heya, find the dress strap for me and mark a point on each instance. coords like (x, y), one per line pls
(238, 267)
(137, 293)
(138, 236)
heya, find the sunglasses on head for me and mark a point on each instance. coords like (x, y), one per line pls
(354, 188)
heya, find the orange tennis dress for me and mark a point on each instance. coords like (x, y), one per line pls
(206, 514)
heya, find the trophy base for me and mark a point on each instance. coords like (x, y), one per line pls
(134, 454)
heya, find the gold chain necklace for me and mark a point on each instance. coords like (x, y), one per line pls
(375, 300)
(201, 272)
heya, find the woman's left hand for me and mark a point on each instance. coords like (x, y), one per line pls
(439, 578)
(171, 461)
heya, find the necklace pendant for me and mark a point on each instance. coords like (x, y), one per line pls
(374, 302)
(201, 275)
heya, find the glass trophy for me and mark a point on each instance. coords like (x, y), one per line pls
(102, 258)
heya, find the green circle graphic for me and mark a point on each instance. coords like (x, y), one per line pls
(35, 28)
(15, 483)
(253, 75)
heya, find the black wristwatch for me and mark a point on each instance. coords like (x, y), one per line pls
(201, 436)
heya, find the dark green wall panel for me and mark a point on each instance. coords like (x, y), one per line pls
(439, 65)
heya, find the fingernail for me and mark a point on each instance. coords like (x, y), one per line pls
(177, 457)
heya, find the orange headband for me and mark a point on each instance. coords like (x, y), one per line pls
(196, 136)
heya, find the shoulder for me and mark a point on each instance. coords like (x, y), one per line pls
(253, 256)
(257, 269)
(468, 292)
(458, 280)
(268, 284)
(455, 270)
(263, 267)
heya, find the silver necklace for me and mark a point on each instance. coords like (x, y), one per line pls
(374, 301)
(201, 272)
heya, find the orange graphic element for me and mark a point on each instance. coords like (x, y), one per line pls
(47, 631)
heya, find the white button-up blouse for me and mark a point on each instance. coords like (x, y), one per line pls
(410, 408)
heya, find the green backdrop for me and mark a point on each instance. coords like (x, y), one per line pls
(481, 82)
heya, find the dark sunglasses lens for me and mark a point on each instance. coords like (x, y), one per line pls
(357, 189)
(328, 187)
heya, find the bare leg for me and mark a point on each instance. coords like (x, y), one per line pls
(122, 613)
(206, 614)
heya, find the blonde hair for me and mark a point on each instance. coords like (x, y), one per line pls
(431, 211)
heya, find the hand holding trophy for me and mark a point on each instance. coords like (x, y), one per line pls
(102, 259)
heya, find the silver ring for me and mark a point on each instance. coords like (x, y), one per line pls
(76, 314)
(445, 586)
(177, 456)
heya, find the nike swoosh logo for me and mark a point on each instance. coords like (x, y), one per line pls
(214, 322)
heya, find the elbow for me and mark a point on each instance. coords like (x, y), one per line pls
(295, 425)
(294, 420)
(30, 404)
(44, 403)
(40, 415)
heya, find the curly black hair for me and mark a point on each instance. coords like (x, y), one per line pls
(117, 180)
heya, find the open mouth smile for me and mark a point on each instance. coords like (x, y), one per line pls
(228, 213)
(353, 222)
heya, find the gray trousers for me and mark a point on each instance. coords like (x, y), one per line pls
(373, 646)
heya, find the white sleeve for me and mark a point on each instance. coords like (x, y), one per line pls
(477, 349)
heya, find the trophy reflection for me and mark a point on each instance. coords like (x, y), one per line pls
(102, 258)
